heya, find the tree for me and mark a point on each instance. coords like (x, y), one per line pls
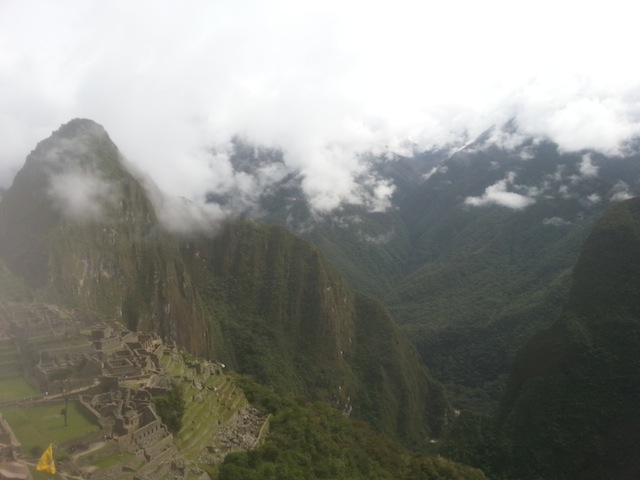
(170, 407)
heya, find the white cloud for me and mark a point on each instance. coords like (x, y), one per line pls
(564, 192)
(594, 199)
(82, 195)
(620, 192)
(326, 82)
(497, 194)
(555, 221)
(430, 173)
(183, 216)
(508, 140)
(587, 168)
(381, 239)
(76, 183)
(600, 124)
(434, 170)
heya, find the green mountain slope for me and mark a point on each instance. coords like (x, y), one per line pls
(571, 407)
(288, 318)
(472, 283)
(312, 441)
(80, 231)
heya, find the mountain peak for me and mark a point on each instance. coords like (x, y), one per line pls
(80, 127)
(79, 143)
(74, 177)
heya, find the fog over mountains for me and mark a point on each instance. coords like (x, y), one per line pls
(474, 255)
(255, 297)
(404, 209)
(511, 273)
(330, 86)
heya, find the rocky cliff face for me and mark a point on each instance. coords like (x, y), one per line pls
(287, 317)
(571, 406)
(79, 228)
(82, 232)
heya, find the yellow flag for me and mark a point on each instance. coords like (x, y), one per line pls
(46, 461)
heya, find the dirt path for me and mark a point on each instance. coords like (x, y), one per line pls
(92, 448)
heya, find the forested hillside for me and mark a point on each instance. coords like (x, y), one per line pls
(571, 406)
(80, 231)
(475, 254)
(472, 277)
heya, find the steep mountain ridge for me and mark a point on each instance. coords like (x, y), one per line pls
(79, 228)
(82, 232)
(290, 320)
(475, 255)
(570, 409)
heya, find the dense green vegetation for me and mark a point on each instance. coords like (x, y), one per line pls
(470, 285)
(171, 407)
(475, 439)
(289, 319)
(315, 441)
(571, 407)
(254, 297)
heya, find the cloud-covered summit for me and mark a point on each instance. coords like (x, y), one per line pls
(329, 84)
(86, 179)
(75, 162)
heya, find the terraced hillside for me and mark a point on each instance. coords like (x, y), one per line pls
(217, 418)
(257, 298)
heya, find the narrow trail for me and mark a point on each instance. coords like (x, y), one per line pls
(92, 448)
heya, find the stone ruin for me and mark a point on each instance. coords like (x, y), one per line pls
(123, 354)
(129, 418)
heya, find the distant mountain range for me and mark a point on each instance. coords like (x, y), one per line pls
(474, 256)
(511, 267)
(80, 231)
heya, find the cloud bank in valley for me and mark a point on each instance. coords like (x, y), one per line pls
(500, 193)
(327, 84)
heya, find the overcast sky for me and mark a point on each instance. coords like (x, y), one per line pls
(324, 81)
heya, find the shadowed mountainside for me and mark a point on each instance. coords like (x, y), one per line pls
(80, 231)
(475, 256)
(288, 318)
(571, 406)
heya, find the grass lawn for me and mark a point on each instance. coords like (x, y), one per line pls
(44, 476)
(15, 388)
(114, 459)
(37, 427)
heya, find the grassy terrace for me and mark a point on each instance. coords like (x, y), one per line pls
(202, 418)
(15, 388)
(220, 400)
(38, 426)
(207, 414)
(53, 344)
